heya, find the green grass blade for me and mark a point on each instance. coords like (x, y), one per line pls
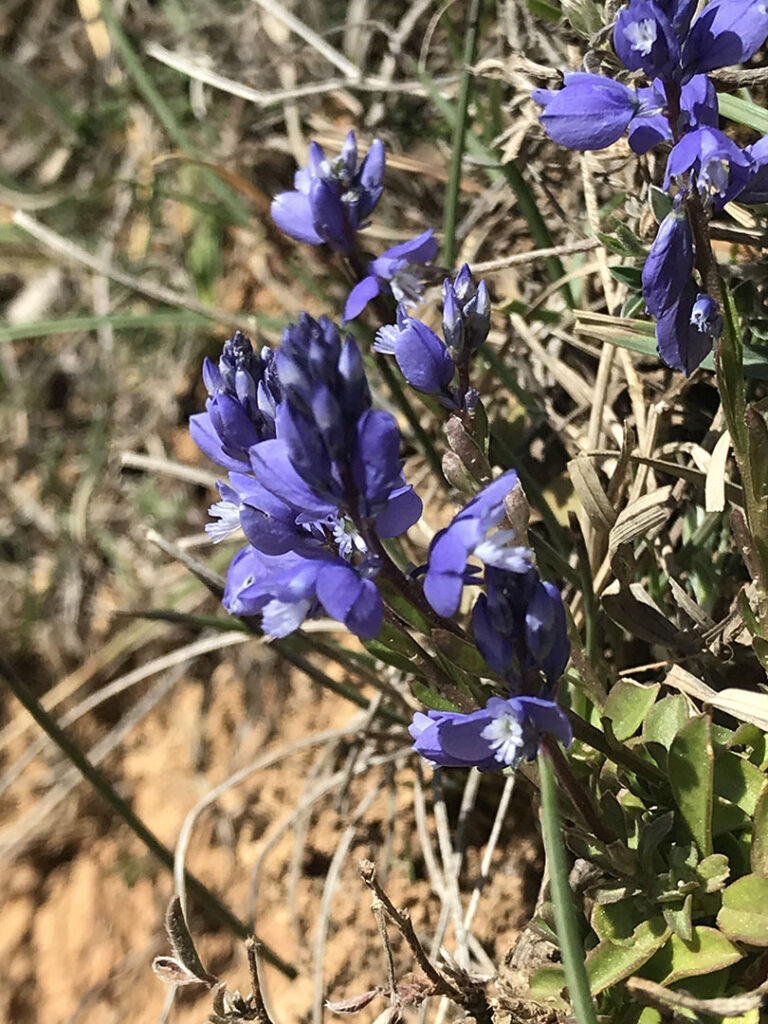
(459, 134)
(121, 321)
(571, 946)
(743, 112)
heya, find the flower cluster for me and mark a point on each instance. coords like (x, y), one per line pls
(426, 361)
(332, 199)
(519, 627)
(313, 469)
(658, 38)
(315, 480)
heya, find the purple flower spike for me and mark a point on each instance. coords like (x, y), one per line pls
(669, 264)
(498, 736)
(591, 112)
(726, 32)
(332, 199)
(240, 411)
(395, 271)
(645, 39)
(681, 343)
(452, 546)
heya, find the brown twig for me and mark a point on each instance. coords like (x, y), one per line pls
(650, 994)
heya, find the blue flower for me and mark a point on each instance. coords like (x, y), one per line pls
(590, 112)
(423, 359)
(685, 332)
(644, 38)
(706, 316)
(395, 271)
(451, 547)
(240, 411)
(670, 262)
(726, 32)
(520, 626)
(698, 107)
(288, 588)
(332, 199)
(720, 169)
(498, 736)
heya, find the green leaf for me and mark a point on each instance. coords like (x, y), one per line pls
(545, 10)
(759, 854)
(460, 653)
(630, 276)
(691, 775)
(395, 600)
(394, 647)
(547, 986)
(609, 963)
(678, 917)
(713, 872)
(661, 203)
(707, 951)
(744, 913)
(430, 699)
(744, 111)
(737, 847)
(662, 723)
(627, 706)
(738, 780)
(616, 922)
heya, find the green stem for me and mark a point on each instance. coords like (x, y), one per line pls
(207, 900)
(571, 946)
(459, 134)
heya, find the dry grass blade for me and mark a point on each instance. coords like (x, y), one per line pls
(744, 705)
(586, 483)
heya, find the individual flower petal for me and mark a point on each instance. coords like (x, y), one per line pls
(591, 112)
(352, 600)
(679, 13)
(375, 460)
(644, 39)
(292, 212)
(726, 32)
(403, 509)
(452, 546)
(680, 343)
(363, 292)
(669, 264)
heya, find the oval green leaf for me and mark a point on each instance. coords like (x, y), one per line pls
(609, 963)
(627, 705)
(743, 916)
(707, 951)
(691, 775)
